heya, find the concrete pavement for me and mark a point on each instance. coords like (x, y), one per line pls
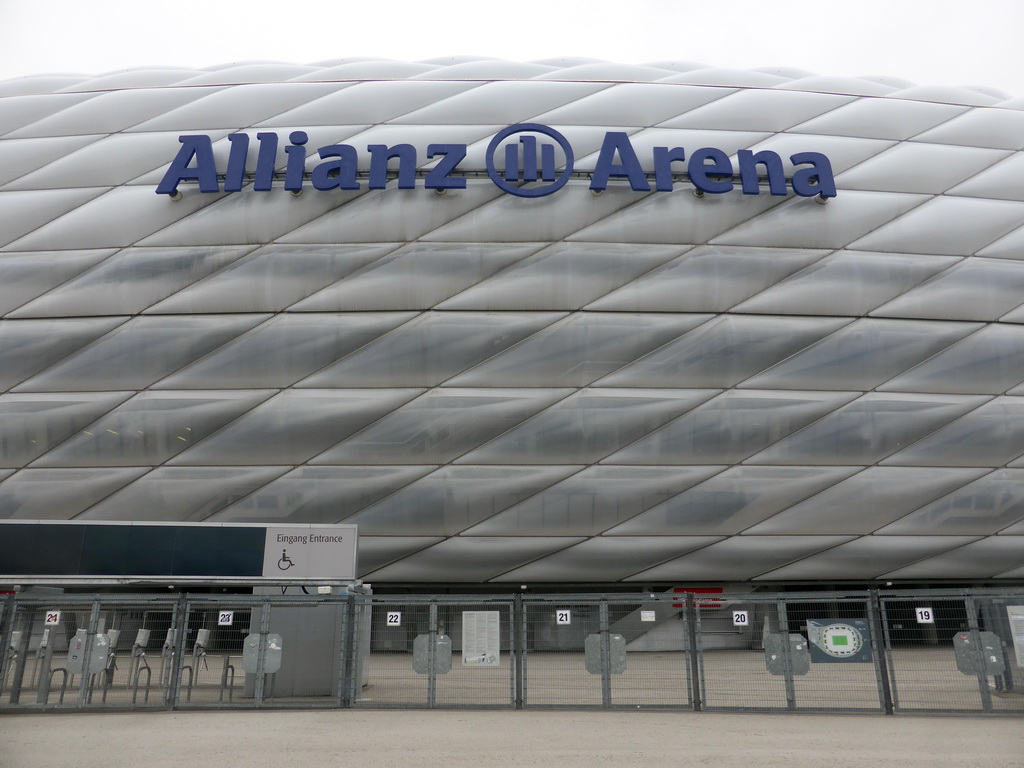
(501, 739)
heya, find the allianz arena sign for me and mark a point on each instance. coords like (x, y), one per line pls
(526, 160)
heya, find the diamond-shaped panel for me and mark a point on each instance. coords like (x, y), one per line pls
(640, 386)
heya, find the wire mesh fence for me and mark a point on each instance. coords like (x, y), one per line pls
(72, 653)
(892, 652)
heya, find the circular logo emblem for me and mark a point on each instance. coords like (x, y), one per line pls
(841, 640)
(530, 161)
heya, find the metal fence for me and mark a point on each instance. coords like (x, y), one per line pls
(889, 651)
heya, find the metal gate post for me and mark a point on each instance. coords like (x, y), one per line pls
(432, 658)
(518, 647)
(22, 660)
(6, 628)
(179, 627)
(259, 686)
(975, 630)
(699, 641)
(881, 668)
(787, 659)
(85, 684)
(886, 649)
(691, 622)
(44, 661)
(606, 656)
(348, 664)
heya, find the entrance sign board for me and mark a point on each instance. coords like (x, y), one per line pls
(309, 551)
(33, 551)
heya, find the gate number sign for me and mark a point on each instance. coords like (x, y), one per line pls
(225, 618)
(563, 616)
(52, 618)
(925, 616)
(394, 618)
(740, 619)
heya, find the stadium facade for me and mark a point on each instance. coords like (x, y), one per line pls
(561, 322)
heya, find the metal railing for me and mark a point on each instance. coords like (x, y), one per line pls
(860, 651)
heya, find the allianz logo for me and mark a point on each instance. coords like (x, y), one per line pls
(525, 160)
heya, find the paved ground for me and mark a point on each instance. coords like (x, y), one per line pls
(382, 739)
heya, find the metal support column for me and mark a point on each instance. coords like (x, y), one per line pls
(84, 692)
(6, 627)
(787, 657)
(22, 657)
(259, 684)
(521, 660)
(886, 630)
(348, 666)
(432, 658)
(975, 630)
(691, 621)
(606, 656)
(879, 640)
(518, 649)
(175, 654)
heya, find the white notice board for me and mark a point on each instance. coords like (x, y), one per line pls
(481, 638)
(1015, 613)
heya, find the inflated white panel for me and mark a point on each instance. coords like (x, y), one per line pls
(801, 223)
(21, 156)
(587, 387)
(919, 167)
(881, 119)
(645, 103)
(238, 107)
(109, 112)
(760, 110)
(937, 227)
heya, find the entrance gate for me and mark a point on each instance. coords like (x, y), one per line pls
(888, 652)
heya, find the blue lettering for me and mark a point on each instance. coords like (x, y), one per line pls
(296, 165)
(205, 172)
(439, 177)
(617, 141)
(380, 154)
(748, 171)
(700, 170)
(236, 162)
(663, 159)
(265, 161)
(709, 169)
(339, 173)
(816, 180)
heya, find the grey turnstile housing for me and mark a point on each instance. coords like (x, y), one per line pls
(968, 655)
(799, 654)
(309, 636)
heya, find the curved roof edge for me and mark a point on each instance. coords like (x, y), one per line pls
(485, 68)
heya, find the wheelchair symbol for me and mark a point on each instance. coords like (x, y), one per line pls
(285, 562)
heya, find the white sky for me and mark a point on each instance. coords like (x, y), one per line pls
(929, 42)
